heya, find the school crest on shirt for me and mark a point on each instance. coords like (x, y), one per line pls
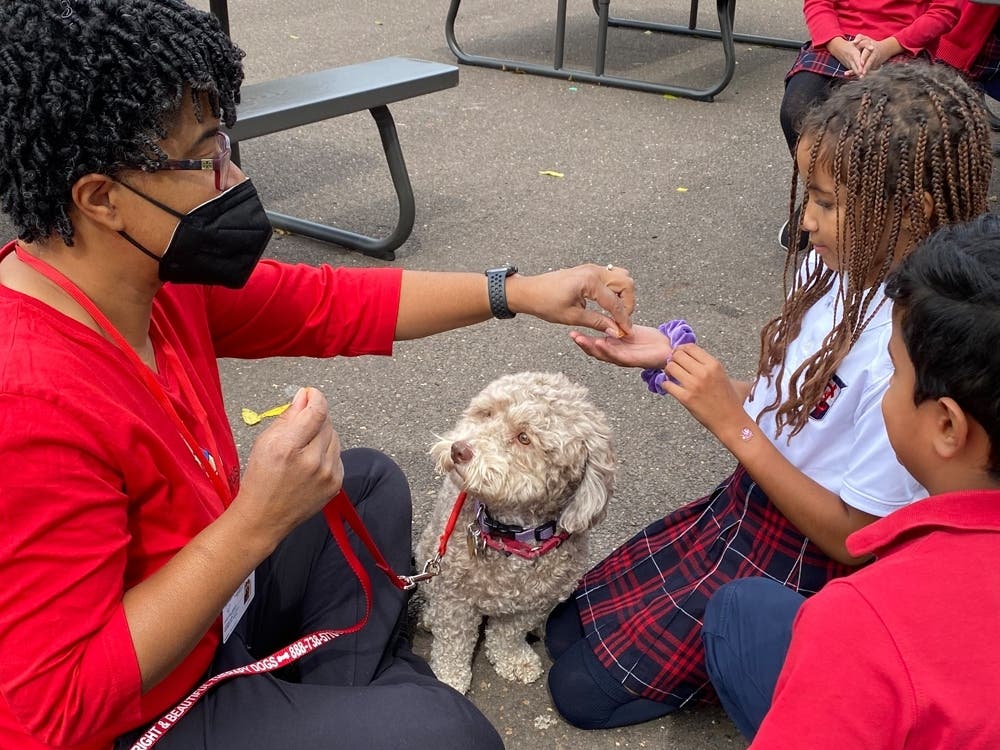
(830, 394)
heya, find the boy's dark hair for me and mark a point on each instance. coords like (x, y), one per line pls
(89, 86)
(947, 297)
(902, 132)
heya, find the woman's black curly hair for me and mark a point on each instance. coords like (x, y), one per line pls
(90, 86)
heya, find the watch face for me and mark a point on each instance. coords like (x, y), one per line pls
(505, 270)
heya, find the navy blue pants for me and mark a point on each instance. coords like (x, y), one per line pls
(803, 91)
(582, 690)
(992, 87)
(366, 690)
(746, 632)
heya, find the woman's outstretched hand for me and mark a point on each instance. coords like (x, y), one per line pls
(562, 296)
(644, 347)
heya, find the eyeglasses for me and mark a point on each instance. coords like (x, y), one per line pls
(218, 163)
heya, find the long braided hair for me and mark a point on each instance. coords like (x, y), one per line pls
(901, 133)
(90, 86)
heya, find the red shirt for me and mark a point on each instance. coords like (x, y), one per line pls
(98, 489)
(916, 25)
(961, 46)
(902, 653)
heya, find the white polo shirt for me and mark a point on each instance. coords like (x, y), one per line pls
(844, 447)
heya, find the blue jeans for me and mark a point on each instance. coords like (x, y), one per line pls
(747, 629)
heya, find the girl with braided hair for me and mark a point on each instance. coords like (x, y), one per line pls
(883, 163)
(847, 40)
(136, 558)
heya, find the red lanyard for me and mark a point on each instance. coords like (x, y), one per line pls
(338, 512)
(180, 371)
(146, 375)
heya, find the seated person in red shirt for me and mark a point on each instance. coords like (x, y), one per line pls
(847, 39)
(973, 45)
(127, 528)
(903, 653)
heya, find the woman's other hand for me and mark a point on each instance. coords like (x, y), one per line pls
(294, 468)
(562, 296)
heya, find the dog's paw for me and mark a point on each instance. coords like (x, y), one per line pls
(524, 666)
(459, 678)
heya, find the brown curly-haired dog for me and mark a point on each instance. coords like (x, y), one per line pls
(535, 454)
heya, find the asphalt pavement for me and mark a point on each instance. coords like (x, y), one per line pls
(688, 195)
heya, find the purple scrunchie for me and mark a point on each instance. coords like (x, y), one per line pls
(679, 332)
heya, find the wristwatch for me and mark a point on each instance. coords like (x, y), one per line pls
(496, 284)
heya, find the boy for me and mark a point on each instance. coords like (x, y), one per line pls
(903, 653)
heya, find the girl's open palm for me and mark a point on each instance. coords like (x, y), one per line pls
(644, 347)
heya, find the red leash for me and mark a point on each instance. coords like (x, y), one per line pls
(450, 526)
(339, 511)
(433, 566)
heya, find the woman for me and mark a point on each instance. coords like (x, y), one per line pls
(127, 525)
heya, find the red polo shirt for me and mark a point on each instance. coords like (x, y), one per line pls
(902, 653)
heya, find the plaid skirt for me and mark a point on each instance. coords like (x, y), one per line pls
(815, 60)
(987, 64)
(642, 607)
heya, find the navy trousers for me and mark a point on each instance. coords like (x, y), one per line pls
(746, 632)
(366, 690)
(582, 690)
(802, 91)
(992, 87)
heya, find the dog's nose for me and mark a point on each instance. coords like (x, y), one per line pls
(461, 452)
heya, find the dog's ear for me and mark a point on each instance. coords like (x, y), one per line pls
(590, 503)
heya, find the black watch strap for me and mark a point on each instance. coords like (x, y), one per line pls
(496, 284)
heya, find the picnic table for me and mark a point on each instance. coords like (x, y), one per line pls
(272, 106)
(725, 9)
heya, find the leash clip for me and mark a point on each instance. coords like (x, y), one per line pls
(431, 568)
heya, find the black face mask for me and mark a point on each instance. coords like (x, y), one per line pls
(218, 243)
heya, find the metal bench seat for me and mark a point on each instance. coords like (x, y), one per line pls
(280, 104)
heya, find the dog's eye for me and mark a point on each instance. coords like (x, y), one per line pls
(523, 438)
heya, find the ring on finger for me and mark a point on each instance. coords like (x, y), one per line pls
(610, 266)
